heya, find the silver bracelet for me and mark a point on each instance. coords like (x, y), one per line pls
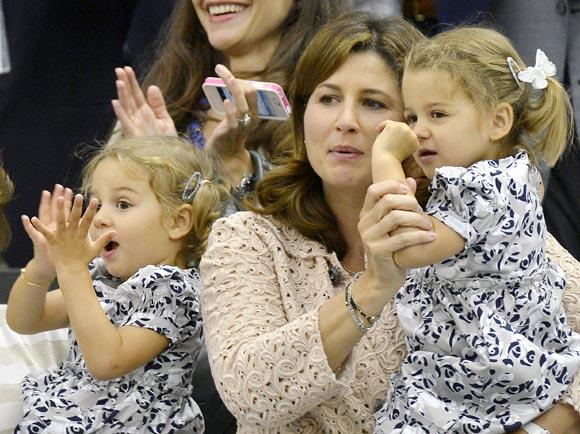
(355, 312)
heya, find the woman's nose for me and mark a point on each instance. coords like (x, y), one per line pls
(347, 120)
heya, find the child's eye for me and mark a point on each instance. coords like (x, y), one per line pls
(438, 114)
(123, 204)
(374, 104)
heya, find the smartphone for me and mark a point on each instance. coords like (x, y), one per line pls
(272, 102)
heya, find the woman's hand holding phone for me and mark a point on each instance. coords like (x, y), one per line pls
(229, 136)
(140, 115)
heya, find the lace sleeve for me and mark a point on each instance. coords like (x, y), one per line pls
(571, 303)
(269, 370)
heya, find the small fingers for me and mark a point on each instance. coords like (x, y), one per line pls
(29, 228)
(60, 218)
(75, 213)
(89, 215)
(68, 199)
(44, 208)
(42, 228)
(56, 193)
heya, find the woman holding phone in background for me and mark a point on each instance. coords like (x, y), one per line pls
(255, 40)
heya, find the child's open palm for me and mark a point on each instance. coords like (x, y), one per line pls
(47, 216)
(68, 240)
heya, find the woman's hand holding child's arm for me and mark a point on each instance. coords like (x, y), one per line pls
(386, 207)
(109, 351)
(31, 309)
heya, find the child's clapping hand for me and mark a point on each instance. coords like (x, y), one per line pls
(42, 265)
(68, 240)
(396, 138)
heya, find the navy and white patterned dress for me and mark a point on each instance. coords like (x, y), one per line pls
(154, 398)
(488, 343)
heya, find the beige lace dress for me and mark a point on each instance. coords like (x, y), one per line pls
(263, 284)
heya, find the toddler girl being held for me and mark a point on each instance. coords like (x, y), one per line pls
(489, 347)
(126, 291)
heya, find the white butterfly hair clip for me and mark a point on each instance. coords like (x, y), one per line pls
(535, 75)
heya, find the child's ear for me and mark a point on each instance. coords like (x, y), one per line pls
(180, 222)
(502, 120)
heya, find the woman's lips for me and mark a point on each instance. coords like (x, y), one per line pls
(345, 152)
(219, 13)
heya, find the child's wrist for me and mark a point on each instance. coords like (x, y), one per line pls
(393, 154)
(71, 268)
(33, 273)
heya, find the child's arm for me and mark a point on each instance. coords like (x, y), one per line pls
(109, 351)
(393, 145)
(31, 309)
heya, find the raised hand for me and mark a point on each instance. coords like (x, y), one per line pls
(68, 240)
(139, 115)
(229, 135)
(43, 263)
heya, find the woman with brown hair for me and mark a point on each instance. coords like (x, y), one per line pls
(257, 39)
(299, 321)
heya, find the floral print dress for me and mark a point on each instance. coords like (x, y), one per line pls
(489, 347)
(154, 398)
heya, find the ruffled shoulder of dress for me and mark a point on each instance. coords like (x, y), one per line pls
(488, 178)
(152, 276)
(145, 281)
(271, 231)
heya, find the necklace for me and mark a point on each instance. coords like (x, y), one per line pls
(349, 271)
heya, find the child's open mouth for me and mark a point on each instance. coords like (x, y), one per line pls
(110, 248)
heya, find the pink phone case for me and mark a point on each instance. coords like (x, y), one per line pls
(260, 85)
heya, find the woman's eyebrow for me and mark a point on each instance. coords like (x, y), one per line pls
(329, 86)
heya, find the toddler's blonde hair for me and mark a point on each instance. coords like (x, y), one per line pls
(476, 58)
(169, 163)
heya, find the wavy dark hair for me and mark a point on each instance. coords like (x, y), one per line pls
(292, 193)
